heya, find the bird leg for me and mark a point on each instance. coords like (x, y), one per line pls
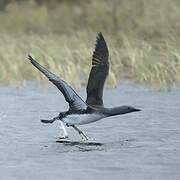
(80, 132)
(64, 132)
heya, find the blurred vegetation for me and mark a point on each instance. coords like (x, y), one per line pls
(143, 39)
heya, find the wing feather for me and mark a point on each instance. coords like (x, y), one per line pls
(74, 100)
(99, 72)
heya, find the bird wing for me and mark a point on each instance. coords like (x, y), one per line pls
(74, 100)
(99, 73)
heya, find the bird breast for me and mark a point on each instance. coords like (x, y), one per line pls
(79, 119)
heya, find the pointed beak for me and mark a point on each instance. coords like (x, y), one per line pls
(135, 109)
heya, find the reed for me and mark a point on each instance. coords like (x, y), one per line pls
(143, 41)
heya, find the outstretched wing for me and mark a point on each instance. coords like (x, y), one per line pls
(74, 100)
(98, 74)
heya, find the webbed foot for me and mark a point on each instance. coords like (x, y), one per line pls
(63, 137)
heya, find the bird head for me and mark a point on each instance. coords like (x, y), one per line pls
(122, 110)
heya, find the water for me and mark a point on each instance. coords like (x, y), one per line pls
(141, 145)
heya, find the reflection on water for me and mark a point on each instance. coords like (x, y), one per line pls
(81, 143)
(142, 145)
(82, 146)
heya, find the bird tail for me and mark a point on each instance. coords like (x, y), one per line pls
(49, 120)
(46, 121)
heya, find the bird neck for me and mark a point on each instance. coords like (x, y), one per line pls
(117, 111)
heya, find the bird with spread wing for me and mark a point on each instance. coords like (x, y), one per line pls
(83, 112)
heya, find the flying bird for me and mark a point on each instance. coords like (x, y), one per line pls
(83, 112)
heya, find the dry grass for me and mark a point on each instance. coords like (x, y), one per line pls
(143, 40)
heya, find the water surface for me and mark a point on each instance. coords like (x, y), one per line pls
(141, 145)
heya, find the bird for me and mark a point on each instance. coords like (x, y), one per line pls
(82, 112)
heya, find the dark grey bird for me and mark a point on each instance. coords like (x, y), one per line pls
(84, 112)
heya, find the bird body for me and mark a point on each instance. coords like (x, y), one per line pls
(91, 115)
(80, 119)
(83, 112)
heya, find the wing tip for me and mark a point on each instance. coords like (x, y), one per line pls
(30, 58)
(101, 47)
(99, 36)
